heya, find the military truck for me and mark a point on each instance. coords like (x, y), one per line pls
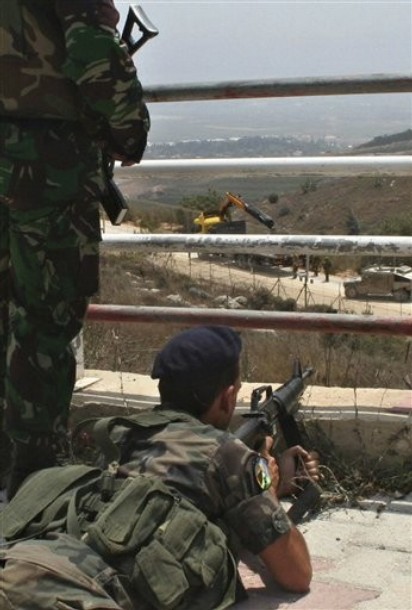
(382, 281)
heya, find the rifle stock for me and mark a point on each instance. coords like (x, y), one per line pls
(277, 410)
(113, 201)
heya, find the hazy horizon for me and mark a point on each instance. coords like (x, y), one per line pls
(202, 42)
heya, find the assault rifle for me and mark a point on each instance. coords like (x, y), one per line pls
(112, 200)
(272, 410)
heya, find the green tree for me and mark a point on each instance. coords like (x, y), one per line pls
(273, 198)
(352, 224)
(205, 203)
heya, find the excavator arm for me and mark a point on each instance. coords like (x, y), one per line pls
(250, 209)
(209, 222)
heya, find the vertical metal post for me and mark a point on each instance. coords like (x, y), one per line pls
(78, 349)
(306, 279)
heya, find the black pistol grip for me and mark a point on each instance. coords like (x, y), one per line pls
(306, 500)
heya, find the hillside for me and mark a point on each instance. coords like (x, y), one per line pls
(398, 143)
(324, 206)
(348, 205)
(340, 206)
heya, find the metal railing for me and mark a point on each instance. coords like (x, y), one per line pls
(327, 245)
(365, 165)
(264, 320)
(296, 244)
(297, 87)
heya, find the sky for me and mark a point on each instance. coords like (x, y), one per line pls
(202, 42)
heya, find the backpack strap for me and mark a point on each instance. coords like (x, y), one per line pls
(40, 491)
(148, 418)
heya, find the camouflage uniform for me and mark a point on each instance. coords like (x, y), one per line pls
(59, 572)
(66, 84)
(226, 480)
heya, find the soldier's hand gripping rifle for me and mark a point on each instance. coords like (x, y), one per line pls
(112, 200)
(273, 412)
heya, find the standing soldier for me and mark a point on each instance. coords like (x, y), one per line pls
(327, 265)
(295, 267)
(68, 92)
(315, 263)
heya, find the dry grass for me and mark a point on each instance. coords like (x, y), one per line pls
(348, 481)
(339, 360)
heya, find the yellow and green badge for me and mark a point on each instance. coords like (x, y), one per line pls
(262, 474)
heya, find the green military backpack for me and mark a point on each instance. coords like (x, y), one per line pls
(165, 550)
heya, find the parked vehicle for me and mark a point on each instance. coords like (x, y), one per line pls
(382, 281)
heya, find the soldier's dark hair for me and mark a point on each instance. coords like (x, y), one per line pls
(196, 396)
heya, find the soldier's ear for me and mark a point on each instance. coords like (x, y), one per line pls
(221, 410)
(228, 398)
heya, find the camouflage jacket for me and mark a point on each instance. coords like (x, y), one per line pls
(63, 59)
(216, 471)
(58, 572)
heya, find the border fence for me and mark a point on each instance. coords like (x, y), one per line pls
(369, 165)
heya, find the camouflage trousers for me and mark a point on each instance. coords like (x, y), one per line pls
(50, 185)
(60, 573)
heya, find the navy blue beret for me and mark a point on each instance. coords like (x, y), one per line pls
(200, 352)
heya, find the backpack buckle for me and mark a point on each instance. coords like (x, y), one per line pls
(108, 479)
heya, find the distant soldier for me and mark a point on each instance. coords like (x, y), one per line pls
(327, 266)
(315, 264)
(295, 267)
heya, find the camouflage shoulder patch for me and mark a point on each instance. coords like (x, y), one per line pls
(262, 474)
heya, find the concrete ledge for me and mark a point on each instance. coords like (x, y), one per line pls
(369, 422)
(319, 398)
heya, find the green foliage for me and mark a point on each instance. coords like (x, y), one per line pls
(273, 198)
(397, 225)
(352, 224)
(308, 186)
(184, 220)
(151, 220)
(209, 202)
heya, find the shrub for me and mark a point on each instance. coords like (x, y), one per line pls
(284, 211)
(308, 186)
(273, 198)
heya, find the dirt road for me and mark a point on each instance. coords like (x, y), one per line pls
(313, 291)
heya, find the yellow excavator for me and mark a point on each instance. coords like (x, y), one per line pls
(220, 221)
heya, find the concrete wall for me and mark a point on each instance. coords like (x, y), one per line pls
(366, 423)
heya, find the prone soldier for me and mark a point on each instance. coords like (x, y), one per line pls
(185, 443)
(199, 380)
